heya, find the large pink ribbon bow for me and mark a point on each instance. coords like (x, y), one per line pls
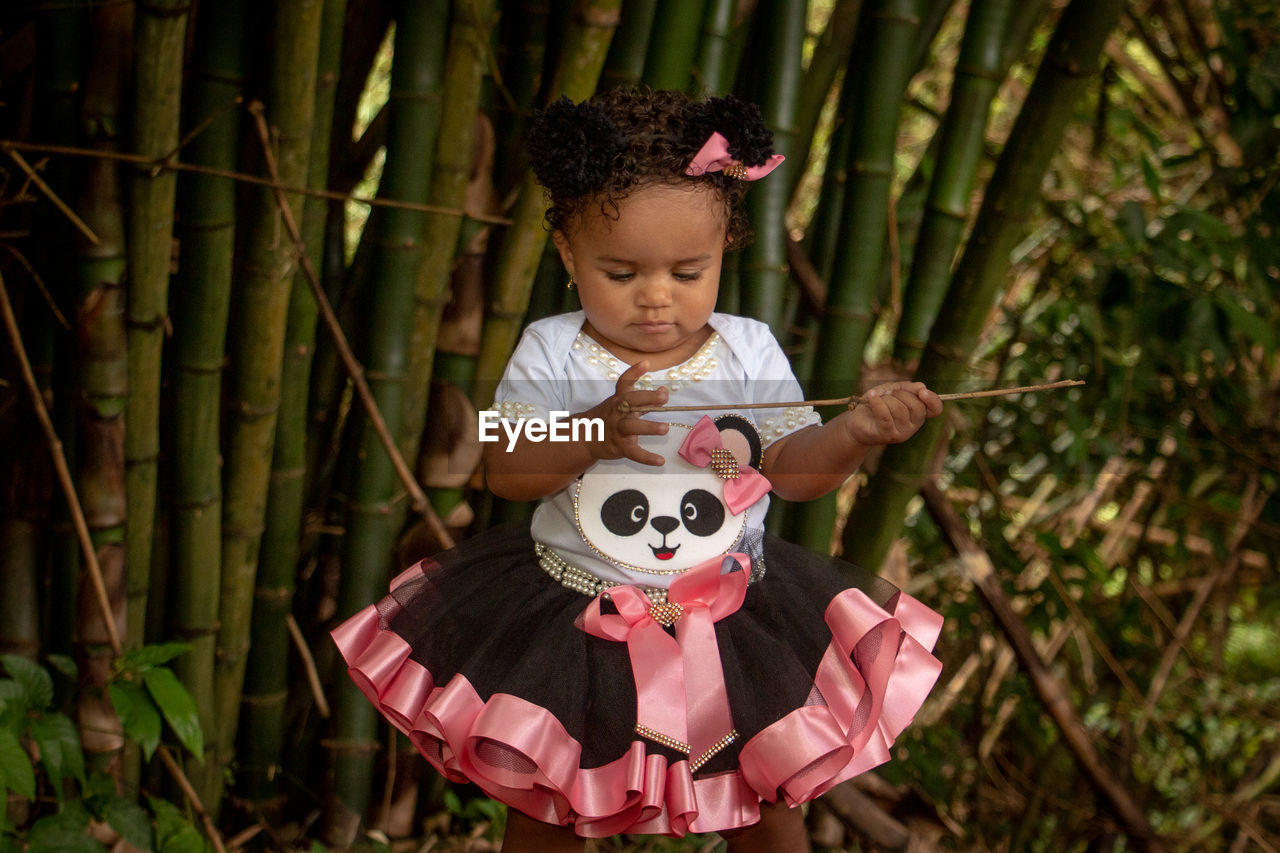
(714, 156)
(743, 486)
(681, 701)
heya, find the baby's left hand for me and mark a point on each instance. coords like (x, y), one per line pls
(891, 413)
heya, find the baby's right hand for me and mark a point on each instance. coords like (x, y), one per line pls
(622, 426)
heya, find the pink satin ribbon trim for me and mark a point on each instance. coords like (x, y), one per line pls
(816, 747)
(750, 485)
(714, 156)
(801, 756)
(680, 688)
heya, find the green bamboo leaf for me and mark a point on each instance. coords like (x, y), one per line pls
(13, 703)
(152, 655)
(64, 664)
(131, 821)
(1150, 177)
(64, 832)
(173, 833)
(57, 731)
(1256, 329)
(177, 706)
(137, 713)
(15, 766)
(34, 679)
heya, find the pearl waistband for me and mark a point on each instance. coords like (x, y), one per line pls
(581, 580)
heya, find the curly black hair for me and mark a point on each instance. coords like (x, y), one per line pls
(603, 149)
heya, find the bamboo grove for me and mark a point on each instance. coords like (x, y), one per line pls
(265, 262)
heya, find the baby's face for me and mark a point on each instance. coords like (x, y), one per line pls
(648, 280)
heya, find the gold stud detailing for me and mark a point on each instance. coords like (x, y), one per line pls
(666, 740)
(724, 463)
(710, 753)
(666, 613)
(736, 170)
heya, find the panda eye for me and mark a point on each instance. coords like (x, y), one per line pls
(702, 512)
(624, 513)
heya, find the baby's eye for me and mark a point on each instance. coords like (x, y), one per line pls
(688, 276)
(619, 276)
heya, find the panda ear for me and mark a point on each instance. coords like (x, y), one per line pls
(740, 437)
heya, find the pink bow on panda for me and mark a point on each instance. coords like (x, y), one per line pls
(742, 486)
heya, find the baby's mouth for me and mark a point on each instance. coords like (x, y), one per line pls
(664, 552)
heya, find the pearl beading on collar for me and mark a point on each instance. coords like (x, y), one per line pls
(791, 419)
(696, 368)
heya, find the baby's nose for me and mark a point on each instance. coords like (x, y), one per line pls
(664, 524)
(655, 292)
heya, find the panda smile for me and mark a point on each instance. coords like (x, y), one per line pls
(664, 551)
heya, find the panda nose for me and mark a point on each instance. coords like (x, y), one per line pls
(664, 524)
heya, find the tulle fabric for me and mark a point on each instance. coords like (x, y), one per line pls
(475, 657)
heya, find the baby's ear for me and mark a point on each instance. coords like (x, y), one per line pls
(739, 437)
(566, 251)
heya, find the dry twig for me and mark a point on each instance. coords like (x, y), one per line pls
(850, 401)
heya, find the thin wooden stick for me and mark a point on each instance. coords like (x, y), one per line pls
(851, 401)
(53, 196)
(308, 664)
(65, 480)
(354, 369)
(185, 784)
(179, 166)
(67, 484)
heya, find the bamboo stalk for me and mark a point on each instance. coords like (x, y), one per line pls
(624, 65)
(263, 732)
(962, 140)
(67, 484)
(586, 45)
(257, 351)
(673, 43)
(852, 401)
(372, 518)
(101, 361)
(201, 304)
(830, 54)
(891, 33)
(150, 163)
(718, 49)
(61, 469)
(160, 35)
(1069, 64)
(357, 372)
(473, 23)
(762, 268)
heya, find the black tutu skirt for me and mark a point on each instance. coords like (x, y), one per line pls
(503, 677)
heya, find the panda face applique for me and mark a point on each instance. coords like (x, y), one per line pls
(668, 519)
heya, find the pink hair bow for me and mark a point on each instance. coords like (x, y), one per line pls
(714, 156)
(742, 486)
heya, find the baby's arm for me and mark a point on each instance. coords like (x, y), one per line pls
(809, 463)
(535, 469)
